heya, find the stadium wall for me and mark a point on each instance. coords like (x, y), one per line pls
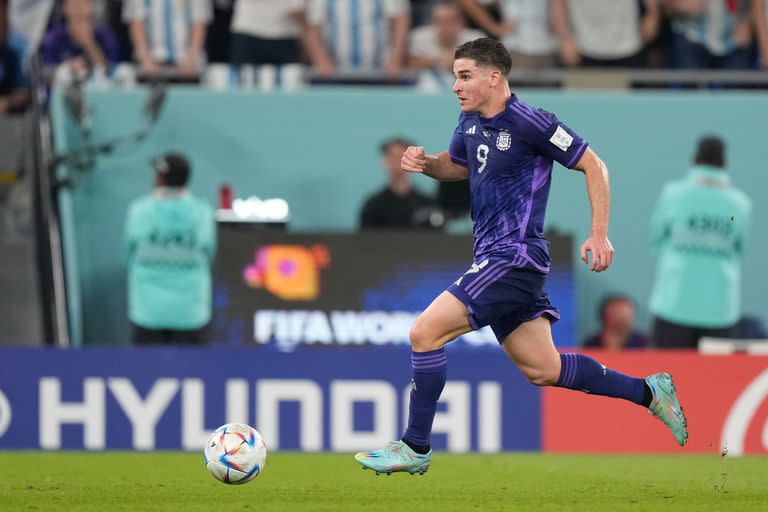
(330, 399)
(326, 141)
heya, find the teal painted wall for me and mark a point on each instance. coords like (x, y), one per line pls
(319, 150)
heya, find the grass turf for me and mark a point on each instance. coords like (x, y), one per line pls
(293, 482)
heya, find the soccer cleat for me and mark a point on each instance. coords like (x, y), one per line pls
(666, 407)
(395, 457)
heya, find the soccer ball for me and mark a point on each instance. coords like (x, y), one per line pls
(235, 453)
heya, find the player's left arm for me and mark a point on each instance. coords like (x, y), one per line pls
(599, 191)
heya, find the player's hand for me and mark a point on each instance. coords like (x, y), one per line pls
(414, 159)
(569, 53)
(742, 33)
(149, 66)
(393, 68)
(602, 252)
(325, 68)
(188, 67)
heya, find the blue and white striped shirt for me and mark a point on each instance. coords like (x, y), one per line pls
(713, 28)
(168, 24)
(357, 32)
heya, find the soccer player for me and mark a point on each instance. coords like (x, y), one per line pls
(506, 149)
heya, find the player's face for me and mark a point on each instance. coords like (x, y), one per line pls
(472, 85)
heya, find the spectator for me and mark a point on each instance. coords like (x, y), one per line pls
(710, 34)
(168, 34)
(421, 11)
(79, 42)
(760, 17)
(604, 33)
(617, 321)
(432, 46)
(525, 29)
(171, 240)
(454, 198)
(398, 204)
(100, 11)
(267, 32)
(218, 38)
(490, 15)
(348, 35)
(699, 227)
(13, 94)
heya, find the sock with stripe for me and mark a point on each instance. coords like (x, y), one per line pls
(429, 374)
(583, 373)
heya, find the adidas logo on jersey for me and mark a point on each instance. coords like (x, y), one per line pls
(472, 130)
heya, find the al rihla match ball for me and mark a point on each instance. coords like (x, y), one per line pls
(235, 453)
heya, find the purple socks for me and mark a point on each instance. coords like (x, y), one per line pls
(583, 373)
(429, 373)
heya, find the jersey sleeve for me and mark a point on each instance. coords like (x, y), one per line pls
(130, 234)
(457, 149)
(660, 218)
(207, 229)
(552, 138)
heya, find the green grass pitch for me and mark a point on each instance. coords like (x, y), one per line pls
(293, 482)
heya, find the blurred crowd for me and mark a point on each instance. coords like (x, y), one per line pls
(179, 38)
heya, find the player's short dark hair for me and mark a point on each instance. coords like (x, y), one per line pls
(395, 141)
(710, 151)
(486, 51)
(611, 298)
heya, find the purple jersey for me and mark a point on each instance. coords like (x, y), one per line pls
(510, 158)
(58, 45)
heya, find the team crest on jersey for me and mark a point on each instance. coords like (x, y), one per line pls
(504, 142)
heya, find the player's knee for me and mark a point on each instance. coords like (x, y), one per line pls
(540, 377)
(420, 338)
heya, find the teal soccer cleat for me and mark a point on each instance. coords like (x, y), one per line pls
(396, 456)
(666, 407)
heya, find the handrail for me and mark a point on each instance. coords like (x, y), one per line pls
(57, 323)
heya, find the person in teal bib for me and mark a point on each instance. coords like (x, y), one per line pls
(699, 228)
(171, 240)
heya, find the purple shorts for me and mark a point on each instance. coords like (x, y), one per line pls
(503, 295)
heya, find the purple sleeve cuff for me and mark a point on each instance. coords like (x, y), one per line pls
(457, 159)
(577, 154)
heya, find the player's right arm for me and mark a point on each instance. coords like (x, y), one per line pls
(440, 166)
(448, 165)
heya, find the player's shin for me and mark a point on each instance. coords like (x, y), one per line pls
(583, 373)
(428, 381)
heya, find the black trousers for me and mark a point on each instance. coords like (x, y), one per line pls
(254, 50)
(672, 335)
(143, 337)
